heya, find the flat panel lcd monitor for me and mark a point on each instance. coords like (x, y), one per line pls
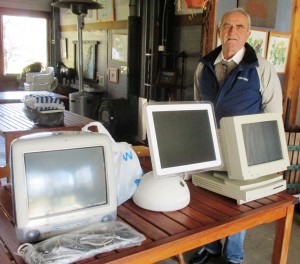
(182, 137)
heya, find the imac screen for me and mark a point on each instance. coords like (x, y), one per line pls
(183, 137)
(262, 142)
(61, 181)
(182, 140)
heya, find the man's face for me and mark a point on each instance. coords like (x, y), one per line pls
(234, 32)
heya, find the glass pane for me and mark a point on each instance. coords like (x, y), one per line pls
(25, 42)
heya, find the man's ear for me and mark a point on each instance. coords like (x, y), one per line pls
(218, 34)
(249, 33)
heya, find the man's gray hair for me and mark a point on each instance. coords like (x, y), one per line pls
(240, 10)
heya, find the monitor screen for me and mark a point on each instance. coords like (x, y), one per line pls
(61, 181)
(253, 146)
(182, 137)
(262, 142)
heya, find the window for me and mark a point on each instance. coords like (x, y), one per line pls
(24, 42)
(24, 39)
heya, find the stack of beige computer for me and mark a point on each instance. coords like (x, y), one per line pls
(255, 154)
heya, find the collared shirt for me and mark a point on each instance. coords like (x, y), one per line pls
(237, 58)
(223, 69)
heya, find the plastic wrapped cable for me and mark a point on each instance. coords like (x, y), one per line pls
(83, 243)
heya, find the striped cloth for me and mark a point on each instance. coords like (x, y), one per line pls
(43, 102)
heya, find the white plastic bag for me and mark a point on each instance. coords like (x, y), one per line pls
(127, 165)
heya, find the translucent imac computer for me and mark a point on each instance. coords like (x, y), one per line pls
(61, 181)
(255, 154)
(182, 139)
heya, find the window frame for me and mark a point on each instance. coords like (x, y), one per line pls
(8, 81)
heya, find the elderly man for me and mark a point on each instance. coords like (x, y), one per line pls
(237, 81)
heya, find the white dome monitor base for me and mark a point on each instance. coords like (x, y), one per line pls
(162, 194)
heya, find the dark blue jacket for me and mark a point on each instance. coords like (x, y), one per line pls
(240, 92)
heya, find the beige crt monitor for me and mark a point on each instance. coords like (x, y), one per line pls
(254, 150)
(253, 146)
(61, 181)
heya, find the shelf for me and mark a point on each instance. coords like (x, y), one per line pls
(170, 77)
(120, 24)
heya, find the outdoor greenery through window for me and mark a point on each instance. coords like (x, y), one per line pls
(24, 42)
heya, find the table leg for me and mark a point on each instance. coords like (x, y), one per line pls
(282, 237)
(180, 259)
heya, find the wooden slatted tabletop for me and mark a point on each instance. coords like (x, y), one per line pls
(14, 123)
(208, 217)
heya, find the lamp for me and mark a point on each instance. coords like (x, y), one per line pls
(79, 8)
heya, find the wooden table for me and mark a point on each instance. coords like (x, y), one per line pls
(208, 217)
(17, 96)
(14, 123)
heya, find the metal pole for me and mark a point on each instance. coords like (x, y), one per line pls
(80, 27)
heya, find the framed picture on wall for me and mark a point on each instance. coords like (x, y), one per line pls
(259, 41)
(113, 75)
(108, 12)
(89, 50)
(278, 49)
(119, 47)
(262, 12)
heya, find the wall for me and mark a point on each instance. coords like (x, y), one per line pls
(283, 18)
(188, 39)
(185, 38)
(104, 60)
